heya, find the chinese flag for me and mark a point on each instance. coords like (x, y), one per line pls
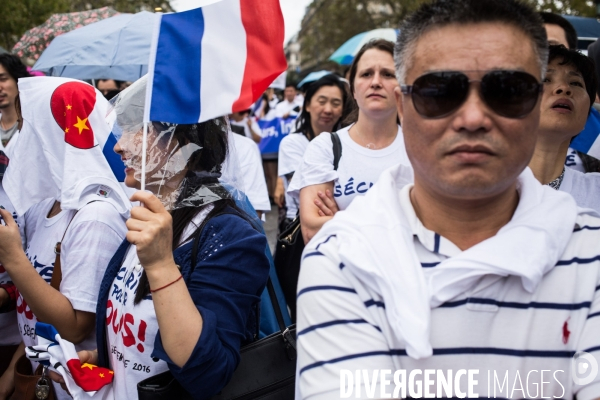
(89, 377)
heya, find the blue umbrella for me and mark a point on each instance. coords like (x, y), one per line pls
(345, 54)
(114, 48)
(313, 76)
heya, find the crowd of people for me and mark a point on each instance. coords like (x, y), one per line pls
(448, 225)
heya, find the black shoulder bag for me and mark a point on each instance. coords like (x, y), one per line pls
(290, 244)
(267, 367)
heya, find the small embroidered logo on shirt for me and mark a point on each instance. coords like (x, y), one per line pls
(103, 191)
(566, 332)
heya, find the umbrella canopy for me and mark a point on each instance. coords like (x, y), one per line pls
(35, 40)
(115, 48)
(313, 76)
(345, 54)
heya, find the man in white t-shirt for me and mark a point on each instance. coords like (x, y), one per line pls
(464, 269)
(288, 107)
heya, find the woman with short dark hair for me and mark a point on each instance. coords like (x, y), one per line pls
(569, 93)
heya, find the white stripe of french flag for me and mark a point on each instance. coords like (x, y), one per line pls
(214, 60)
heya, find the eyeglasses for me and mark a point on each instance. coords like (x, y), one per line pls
(510, 94)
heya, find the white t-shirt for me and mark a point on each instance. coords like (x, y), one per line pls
(291, 152)
(358, 170)
(92, 239)
(285, 107)
(9, 332)
(131, 329)
(573, 161)
(585, 188)
(249, 170)
(244, 124)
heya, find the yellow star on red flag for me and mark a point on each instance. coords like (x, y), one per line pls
(81, 124)
(69, 106)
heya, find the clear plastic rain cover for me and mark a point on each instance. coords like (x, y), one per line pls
(183, 162)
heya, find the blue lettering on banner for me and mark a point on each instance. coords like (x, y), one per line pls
(274, 130)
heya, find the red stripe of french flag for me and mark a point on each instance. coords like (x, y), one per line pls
(265, 59)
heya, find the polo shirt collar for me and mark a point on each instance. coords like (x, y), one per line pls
(431, 240)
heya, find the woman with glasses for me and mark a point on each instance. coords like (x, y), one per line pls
(569, 93)
(369, 146)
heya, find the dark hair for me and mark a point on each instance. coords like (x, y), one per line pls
(267, 104)
(291, 84)
(212, 137)
(555, 19)
(378, 44)
(13, 65)
(440, 13)
(303, 124)
(583, 64)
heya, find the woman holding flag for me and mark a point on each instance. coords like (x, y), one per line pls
(73, 206)
(181, 295)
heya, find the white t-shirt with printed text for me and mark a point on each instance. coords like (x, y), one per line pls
(358, 170)
(131, 329)
(91, 240)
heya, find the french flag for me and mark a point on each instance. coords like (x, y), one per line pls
(588, 141)
(214, 60)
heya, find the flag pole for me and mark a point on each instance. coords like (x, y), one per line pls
(144, 149)
(150, 84)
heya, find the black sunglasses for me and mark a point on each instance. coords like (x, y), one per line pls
(510, 94)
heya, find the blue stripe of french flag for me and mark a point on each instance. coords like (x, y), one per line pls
(214, 60)
(588, 141)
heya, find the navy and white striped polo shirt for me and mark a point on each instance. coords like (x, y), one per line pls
(497, 327)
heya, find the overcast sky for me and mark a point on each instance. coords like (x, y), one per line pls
(293, 11)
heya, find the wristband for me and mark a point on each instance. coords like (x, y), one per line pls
(167, 285)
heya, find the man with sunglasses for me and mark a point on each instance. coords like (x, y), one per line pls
(465, 276)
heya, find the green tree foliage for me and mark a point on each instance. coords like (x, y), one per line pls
(329, 23)
(582, 8)
(18, 16)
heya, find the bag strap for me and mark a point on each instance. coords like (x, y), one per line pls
(57, 271)
(287, 335)
(337, 149)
